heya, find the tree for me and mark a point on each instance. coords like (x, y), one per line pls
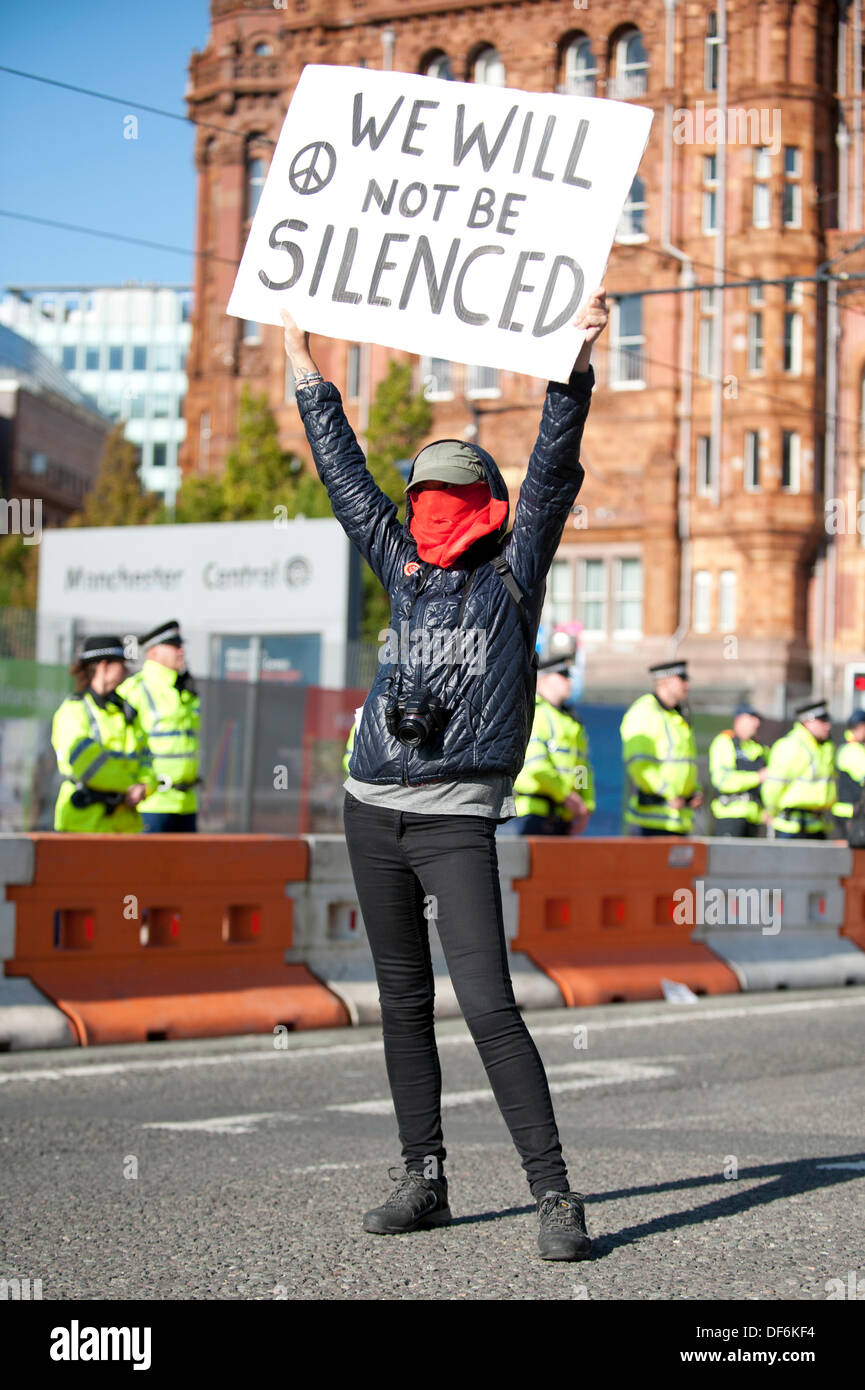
(117, 497)
(259, 476)
(399, 418)
(19, 572)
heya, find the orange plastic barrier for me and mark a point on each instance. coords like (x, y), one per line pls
(597, 917)
(854, 901)
(145, 937)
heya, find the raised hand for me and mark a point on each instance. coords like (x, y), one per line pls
(593, 317)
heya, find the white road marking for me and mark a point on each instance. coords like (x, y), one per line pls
(223, 1124)
(272, 1054)
(590, 1074)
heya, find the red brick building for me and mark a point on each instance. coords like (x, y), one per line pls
(703, 520)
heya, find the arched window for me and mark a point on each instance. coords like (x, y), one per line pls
(713, 43)
(262, 50)
(632, 223)
(439, 65)
(256, 173)
(580, 68)
(488, 67)
(632, 66)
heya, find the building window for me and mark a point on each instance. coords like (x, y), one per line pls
(626, 343)
(204, 437)
(702, 600)
(437, 376)
(489, 68)
(561, 592)
(792, 186)
(162, 407)
(115, 359)
(632, 66)
(262, 50)
(592, 597)
(139, 359)
(352, 373)
(580, 68)
(752, 460)
(482, 381)
(727, 601)
(792, 292)
(628, 596)
(704, 466)
(256, 173)
(710, 193)
(790, 460)
(755, 342)
(706, 355)
(159, 455)
(136, 408)
(712, 51)
(37, 462)
(69, 358)
(792, 343)
(164, 358)
(440, 66)
(251, 332)
(91, 359)
(632, 223)
(762, 203)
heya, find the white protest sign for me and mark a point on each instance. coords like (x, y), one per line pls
(450, 219)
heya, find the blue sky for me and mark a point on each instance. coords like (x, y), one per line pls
(63, 155)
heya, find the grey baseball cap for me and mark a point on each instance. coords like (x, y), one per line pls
(447, 461)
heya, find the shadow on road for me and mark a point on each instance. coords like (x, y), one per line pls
(791, 1179)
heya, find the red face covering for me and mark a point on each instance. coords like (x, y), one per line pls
(446, 521)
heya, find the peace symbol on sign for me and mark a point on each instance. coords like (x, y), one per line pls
(312, 168)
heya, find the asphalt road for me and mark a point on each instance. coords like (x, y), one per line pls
(720, 1146)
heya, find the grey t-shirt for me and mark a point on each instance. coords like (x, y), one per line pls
(477, 796)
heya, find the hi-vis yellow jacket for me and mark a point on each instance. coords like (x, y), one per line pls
(100, 746)
(734, 768)
(801, 778)
(849, 775)
(171, 719)
(660, 756)
(556, 764)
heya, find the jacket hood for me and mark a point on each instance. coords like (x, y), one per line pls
(497, 487)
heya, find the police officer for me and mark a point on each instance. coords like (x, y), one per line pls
(554, 791)
(737, 769)
(660, 756)
(799, 789)
(850, 770)
(101, 747)
(169, 709)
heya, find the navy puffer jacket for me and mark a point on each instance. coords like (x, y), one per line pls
(491, 709)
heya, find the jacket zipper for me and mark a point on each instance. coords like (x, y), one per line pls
(405, 749)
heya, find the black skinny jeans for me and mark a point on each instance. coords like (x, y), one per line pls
(406, 865)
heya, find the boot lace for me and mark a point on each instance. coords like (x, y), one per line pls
(562, 1209)
(405, 1183)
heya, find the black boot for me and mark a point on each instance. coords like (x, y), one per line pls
(415, 1202)
(562, 1231)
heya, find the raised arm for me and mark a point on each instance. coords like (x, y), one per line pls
(554, 474)
(366, 514)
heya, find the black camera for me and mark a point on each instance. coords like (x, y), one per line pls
(417, 719)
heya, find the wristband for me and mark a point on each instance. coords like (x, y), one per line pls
(307, 379)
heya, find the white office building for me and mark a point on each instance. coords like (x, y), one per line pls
(125, 346)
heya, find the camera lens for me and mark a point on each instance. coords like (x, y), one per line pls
(413, 730)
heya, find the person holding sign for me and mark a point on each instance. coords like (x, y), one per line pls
(442, 736)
